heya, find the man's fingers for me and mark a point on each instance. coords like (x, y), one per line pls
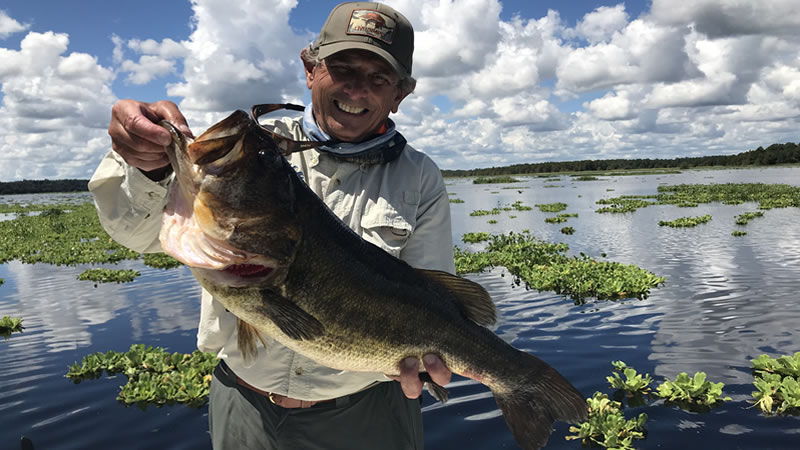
(439, 373)
(409, 377)
(173, 115)
(143, 127)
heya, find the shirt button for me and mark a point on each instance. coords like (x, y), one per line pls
(298, 371)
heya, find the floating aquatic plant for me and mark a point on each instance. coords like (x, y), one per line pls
(607, 426)
(778, 384)
(546, 267)
(568, 230)
(473, 237)
(744, 219)
(485, 212)
(518, 206)
(155, 376)
(494, 180)
(161, 261)
(456, 200)
(10, 325)
(633, 383)
(738, 233)
(685, 222)
(692, 392)
(552, 207)
(109, 275)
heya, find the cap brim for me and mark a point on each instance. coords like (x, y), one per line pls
(336, 47)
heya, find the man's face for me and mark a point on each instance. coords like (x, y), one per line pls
(353, 92)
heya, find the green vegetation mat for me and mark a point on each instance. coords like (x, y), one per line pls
(546, 267)
(155, 376)
(66, 234)
(495, 180)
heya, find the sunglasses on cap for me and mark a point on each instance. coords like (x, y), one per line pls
(286, 145)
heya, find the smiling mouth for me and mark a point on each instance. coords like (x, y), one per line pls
(349, 109)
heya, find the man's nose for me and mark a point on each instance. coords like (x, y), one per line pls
(357, 86)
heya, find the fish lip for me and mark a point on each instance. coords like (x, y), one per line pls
(226, 278)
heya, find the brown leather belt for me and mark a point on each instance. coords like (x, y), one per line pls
(281, 400)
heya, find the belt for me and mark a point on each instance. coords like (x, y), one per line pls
(281, 400)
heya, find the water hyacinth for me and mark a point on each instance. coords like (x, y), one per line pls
(685, 222)
(155, 376)
(546, 267)
(109, 275)
(778, 384)
(607, 426)
(696, 390)
(9, 325)
(495, 180)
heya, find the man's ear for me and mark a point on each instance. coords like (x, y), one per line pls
(400, 96)
(309, 68)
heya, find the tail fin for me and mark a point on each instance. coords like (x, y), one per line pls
(531, 407)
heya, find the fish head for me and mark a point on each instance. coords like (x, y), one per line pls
(231, 206)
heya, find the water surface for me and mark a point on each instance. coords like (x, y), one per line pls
(726, 300)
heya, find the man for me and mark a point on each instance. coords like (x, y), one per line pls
(358, 71)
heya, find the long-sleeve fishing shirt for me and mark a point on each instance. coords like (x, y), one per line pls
(401, 206)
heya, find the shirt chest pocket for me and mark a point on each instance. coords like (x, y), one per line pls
(389, 222)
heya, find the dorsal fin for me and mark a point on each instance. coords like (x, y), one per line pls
(473, 299)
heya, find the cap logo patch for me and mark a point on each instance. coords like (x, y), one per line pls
(374, 24)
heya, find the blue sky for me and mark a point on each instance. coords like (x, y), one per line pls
(499, 82)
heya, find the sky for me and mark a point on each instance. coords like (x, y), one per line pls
(498, 82)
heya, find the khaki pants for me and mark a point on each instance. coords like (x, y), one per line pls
(378, 418)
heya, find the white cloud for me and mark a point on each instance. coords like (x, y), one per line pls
(9, 26)
(612, 106)
(240, 54)
(600, 24)
(55, 109)
(726, 18)
(458, 36)
(682, 78)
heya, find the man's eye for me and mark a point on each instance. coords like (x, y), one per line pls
(379, 80)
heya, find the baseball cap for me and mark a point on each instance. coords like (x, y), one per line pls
(374, 27)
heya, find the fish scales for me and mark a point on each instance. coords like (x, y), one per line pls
(266, 247)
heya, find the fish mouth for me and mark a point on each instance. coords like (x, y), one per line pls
(238, 275)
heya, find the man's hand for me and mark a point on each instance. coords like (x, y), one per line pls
(136, 136)
(409, 374)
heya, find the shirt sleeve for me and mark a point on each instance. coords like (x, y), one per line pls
(129, 204)
(430, 245)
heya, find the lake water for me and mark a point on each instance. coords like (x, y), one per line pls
(726, 300)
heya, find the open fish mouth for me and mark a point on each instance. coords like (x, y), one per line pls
(185, 240)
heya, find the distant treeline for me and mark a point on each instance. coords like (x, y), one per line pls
(788, 153)
(42, 186)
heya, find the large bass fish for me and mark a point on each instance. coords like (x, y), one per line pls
(257, 238)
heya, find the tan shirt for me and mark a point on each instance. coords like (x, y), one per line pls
(402, 207)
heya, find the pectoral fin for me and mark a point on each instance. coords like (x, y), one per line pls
(473, 299)
(290, 318)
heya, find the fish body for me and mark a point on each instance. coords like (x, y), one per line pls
(265, 246)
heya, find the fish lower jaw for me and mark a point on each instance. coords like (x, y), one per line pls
(238, 275)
